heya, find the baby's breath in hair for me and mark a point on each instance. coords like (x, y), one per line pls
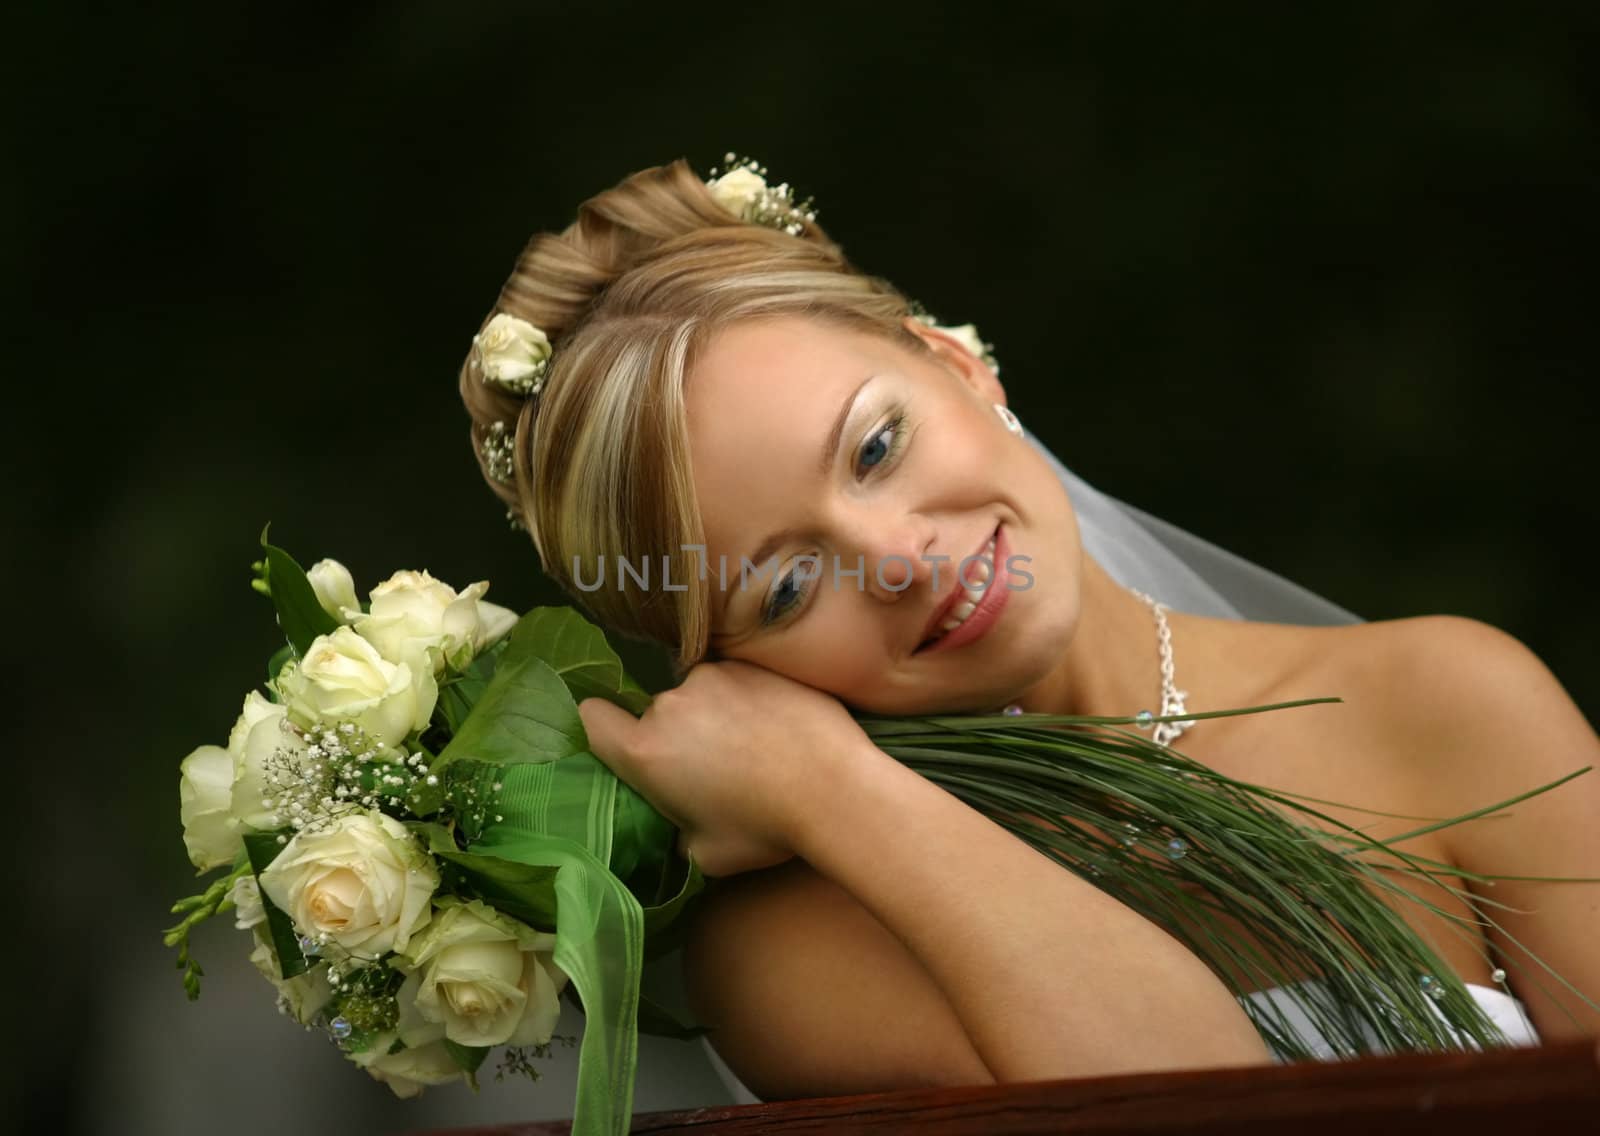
(741, 188)
(499, 449)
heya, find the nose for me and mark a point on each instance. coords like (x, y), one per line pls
(892, 555)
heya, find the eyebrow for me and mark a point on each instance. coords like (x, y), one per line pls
(825, 460)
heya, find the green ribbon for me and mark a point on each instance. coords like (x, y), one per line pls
(574, 815)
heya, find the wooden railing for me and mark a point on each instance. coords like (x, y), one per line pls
(1506, 1092)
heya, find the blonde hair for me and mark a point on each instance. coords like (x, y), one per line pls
(629, 294)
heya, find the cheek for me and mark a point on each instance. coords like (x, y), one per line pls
(833, 650)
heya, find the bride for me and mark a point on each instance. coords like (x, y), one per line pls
(841, 511)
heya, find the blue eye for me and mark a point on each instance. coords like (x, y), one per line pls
(786, 594)
(882, 445)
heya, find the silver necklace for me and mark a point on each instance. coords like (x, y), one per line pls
(1172, 699)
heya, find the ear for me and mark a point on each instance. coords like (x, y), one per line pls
(957, 357)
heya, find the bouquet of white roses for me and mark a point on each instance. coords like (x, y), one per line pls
(418, 841)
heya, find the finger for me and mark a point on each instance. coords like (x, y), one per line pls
(609, 728)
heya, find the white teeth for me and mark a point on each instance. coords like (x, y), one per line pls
(958, 614)
(972, 596)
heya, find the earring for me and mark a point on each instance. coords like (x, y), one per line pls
(1012, 422)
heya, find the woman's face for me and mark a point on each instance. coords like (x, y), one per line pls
(809, 441)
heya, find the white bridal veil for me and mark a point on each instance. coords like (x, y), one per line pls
(1181, 570)
(1140, 551)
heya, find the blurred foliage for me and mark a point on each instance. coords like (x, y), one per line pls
(1305, 280)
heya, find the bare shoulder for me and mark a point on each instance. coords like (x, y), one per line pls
(1445, 679)
(1423, 701)
(1415, 673)
(807, 994)
(1464, 708)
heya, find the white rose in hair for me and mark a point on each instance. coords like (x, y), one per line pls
(335, 589)
(486, 978)
(344, 677)
(511, 350)
(737, 190)
(364, 883)
(205, 788)
(425, 622)
(305, 994)
(967, 335)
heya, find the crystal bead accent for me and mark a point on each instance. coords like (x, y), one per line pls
(1012, 711)
(1498, 975)
(1177, 848)
(309, 946)
(1432, 987)
(1144, 719)
(341, 1028)
(1130, 834)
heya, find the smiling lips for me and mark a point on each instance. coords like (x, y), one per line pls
(967, 596)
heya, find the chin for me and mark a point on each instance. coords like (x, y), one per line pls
(1032, 649)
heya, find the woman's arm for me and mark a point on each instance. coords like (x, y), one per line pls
(807, 995)
(1049, 976)
(1046, 975)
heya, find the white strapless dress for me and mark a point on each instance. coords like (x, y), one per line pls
(1505, 1011)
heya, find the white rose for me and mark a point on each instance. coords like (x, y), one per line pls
(217, 798)
(245, 895)
(257, 738)
(511, 350)
(410, 1070)
(414, 617)
(737, 190)
(364, 883)
(205, 788)
(344, 677)
(257, 708)
(967, 335)
(304, 995)
(487, 979)
(335, 589)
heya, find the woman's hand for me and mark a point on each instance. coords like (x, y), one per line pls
(735, 756)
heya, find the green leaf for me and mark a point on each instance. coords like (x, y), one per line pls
(275, 665)
(263, 848)
(300, 616)
(458, 695)
(524, 714)
(466, 1057)
(522, 891)
(435, 838)
(577, 651)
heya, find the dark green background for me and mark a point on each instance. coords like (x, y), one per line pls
(1312, 281)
